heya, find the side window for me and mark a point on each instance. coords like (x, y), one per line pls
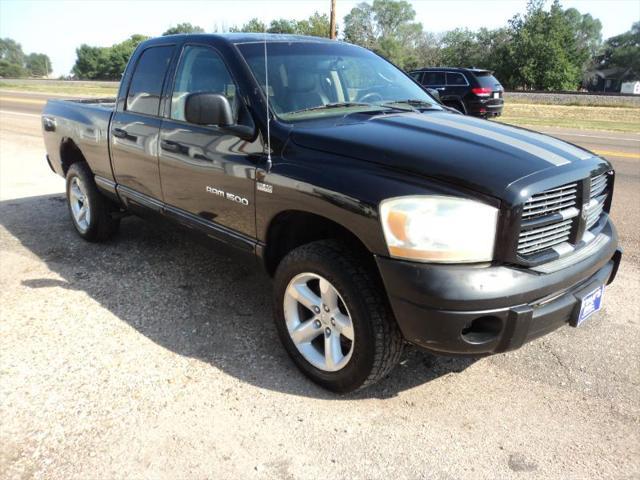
(417, 76)
(433, 79)
(456, 79)
(146, 83)
(200, 70)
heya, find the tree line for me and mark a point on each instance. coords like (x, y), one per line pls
(546, 47)
(14, 63)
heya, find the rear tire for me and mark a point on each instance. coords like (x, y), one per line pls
(91, 213)
(457, 106)
(376, 343)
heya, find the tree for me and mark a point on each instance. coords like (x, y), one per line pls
(252, 26)
(105, 63)
(183, 28)
(14, 63)
(388, 28)
(316, 25)
(38, 64)
(622, 51)
(360, 26)
(11, 70)
(282, 25)
(544, 49)
(587, 32)
(11, 51)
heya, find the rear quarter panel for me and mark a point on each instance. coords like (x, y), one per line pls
(84, 123)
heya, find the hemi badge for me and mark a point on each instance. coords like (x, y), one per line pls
(265, 187)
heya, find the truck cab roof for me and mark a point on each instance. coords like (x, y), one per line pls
(241, 37)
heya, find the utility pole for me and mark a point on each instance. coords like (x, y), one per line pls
(332, 25)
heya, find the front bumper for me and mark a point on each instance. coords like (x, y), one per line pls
(463, 309)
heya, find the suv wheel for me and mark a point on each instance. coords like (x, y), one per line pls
(333, 318)
(90, 211)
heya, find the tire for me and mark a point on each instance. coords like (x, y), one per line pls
(458, 106)
(376, 343)
(97, 223)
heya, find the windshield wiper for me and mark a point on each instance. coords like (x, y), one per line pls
(413, 102)
(334, 105)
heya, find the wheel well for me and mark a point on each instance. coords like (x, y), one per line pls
(291, 229)
(457, 103)
(69, 154)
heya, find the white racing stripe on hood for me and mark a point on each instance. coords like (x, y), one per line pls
(553, 142)
(539, 152)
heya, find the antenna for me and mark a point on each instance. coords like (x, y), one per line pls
(266, 91)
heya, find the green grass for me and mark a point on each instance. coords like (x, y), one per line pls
(89, 89)
(615, 119)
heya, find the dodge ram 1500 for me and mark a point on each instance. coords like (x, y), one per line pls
(382, 216)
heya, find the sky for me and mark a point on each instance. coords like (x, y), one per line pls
(58, 27)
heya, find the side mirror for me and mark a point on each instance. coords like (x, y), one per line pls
(434, 93)
(208, 109)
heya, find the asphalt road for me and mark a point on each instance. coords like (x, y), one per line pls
(152, 356)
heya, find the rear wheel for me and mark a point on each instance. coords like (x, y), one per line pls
(333, 318)
(91, 213)
(457, 106)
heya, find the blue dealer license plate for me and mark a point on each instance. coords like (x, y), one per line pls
(591, 303)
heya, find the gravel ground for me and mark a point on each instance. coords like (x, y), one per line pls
(154, 356)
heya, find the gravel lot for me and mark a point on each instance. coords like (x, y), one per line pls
(154, 356)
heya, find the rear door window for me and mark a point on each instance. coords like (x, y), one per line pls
(487, 80)
(456, 79)
(148, 78)
(417, 76)
(433, 79)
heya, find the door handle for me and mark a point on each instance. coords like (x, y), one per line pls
(441, 88)
(119, 132)
(170, 146)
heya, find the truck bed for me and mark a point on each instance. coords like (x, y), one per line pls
(81, 123)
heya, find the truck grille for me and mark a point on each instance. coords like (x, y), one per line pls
(597, 199)
(555, 204)
(550, 201)
(549, 217)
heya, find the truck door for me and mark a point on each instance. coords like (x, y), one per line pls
(136, 125)
(207, 174)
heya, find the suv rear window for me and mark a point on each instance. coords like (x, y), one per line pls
(487, 80)
(456, 79)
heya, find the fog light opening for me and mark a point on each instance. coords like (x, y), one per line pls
(482, 330)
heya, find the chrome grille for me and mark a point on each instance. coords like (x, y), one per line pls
(541, 238)
(597, 199)
(548, 218)
(558, 205)
(551, 201)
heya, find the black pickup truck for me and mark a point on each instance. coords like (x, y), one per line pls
(383, 217)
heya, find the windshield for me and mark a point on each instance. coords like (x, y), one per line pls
(310, 80)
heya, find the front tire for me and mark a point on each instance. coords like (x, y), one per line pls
(91, 213)
(333, 318)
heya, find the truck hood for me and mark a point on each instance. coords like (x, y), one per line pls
(478, 154)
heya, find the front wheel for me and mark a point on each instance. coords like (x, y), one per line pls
(90, 211)
(333, 318)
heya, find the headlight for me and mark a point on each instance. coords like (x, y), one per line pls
(434, 228)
